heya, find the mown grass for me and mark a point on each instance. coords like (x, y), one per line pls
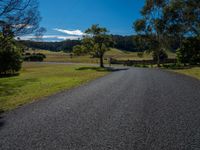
(192, 71)
(114, 53)
(38, 80)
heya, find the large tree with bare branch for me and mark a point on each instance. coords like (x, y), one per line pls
(17, 18)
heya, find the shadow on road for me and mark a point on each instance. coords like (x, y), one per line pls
(116, 69)
(1, 119)
(111, 69)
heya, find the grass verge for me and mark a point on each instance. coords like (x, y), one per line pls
(193, 71)
(38, 80)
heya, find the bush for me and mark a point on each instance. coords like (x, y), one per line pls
(10, 59)
(42, 55)
(173, 66)
(34, 57)
(28, 54)
(190, 52)
(140, 54)
(141, 66)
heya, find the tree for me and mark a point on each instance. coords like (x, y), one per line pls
(140, 54)
(151, 28)
(78, 50)
(21, 16)
(17, 17)
(183, 24)
(96, 42)
(162, 56)
(10, 56)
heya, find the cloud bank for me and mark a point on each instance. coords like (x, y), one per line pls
(70, 32)
(70, 35)
(50, 38)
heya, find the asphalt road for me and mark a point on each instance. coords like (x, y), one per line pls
(136, 109)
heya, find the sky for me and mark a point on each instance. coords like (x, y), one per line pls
(68, 19)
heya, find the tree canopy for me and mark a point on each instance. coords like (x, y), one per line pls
(167, 24)
(96, 42)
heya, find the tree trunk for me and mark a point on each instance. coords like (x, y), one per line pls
(101, 62)
(158, 60)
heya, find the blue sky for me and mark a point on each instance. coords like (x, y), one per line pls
(69, 18)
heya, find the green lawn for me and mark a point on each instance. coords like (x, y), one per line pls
(193, 72)
(39, 80)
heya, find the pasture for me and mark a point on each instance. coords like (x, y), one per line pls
(113, 53)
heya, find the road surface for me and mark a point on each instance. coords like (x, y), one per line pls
(129, 109)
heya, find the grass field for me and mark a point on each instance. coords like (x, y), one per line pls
(125, 55)
(37, 80)
(193, 72)
(114, 53)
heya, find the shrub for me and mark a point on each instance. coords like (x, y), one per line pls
(42, 55)
(140, 54)
(34, 57)
(28, 54)
(10, 59)
(141, 66)
(189, 52)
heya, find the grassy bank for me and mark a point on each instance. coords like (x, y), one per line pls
(114, 53)
(38, 80)
(193, 72)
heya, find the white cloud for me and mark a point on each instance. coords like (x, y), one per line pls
(50, 37)
(71, 32)
(22, 25)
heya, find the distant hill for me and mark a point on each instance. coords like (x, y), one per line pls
(52, 46)
(127, 43)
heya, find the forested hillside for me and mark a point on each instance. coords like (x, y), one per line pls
(128, 43)
(52, 46)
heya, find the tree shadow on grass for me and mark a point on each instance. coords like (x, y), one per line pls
(174, 67)
(10, 87)
(8, 75)
(99, 69)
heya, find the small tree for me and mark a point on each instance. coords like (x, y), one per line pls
(96, 42)
(162, 56)
(10, 56)
(140, 54)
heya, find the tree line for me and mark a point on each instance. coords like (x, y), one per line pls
(127, 43)
(65, 46)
